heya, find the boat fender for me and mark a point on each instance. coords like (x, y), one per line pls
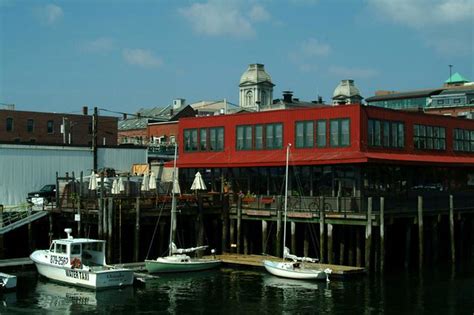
(76, 263)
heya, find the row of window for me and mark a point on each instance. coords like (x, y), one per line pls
(210, 139)
(429, 137)
(30, 125)
(463, 140)
(270, 136)
(387, 134)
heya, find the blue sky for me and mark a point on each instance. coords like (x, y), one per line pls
(124, 55)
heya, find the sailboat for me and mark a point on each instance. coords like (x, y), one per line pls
(292, 266)
(178, 259)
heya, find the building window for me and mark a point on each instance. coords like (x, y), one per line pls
(339, 132)
(258, 137)
(30, 125)
(216, 139)
(203, 139)
(264, 98)
(244, 138)
(321, 134)
(429, 137)
(389, 134)
(456, 101)
(9, 124)
(304, 134)
(190, 140)
(50, 126)
(463, 140)
(274, 136)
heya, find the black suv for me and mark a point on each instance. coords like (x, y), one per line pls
(48, 192)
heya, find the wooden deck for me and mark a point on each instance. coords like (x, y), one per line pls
(256, 261)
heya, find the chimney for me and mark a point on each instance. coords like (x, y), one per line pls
(288, 96)
(85, 110)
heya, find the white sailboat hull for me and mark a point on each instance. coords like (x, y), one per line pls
(95, 277)
(180, 263)
(288, 270)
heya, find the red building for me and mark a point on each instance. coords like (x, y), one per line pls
(348, 150)
(55, 128)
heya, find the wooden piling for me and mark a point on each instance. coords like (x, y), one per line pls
(420, 232)
(278, 234)
(110, 245)
(306, 240)
(246, 238)
(50, 234)
(358, 246)
(368, 235)
(239, 231)
(407, 245)
(264, 236)
(350, 245)
(120, 231)
(330, 244)
(342, 244)
(137, 229)
(451, 229)
(232, 235)
(2, 248)
(31, 245)
(322, 234)
(382, 234)
(225, 223)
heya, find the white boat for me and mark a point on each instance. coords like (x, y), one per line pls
(178, 259)
(7, 282)
(292, 266)
(81, 262)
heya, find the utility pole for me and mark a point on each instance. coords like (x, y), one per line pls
(94, 136)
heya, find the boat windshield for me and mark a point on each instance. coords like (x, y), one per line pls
(95, 247)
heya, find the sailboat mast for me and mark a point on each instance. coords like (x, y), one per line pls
(286, 195)
(173, 202)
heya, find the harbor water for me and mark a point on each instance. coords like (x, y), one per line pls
(251, 291)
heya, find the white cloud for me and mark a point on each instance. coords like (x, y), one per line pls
(425, 13)
(100, 45)
(313, 47)
(437, 22)
(353, 73)
(220, 18)
(259, 14)
(49, 14)
(141, 57)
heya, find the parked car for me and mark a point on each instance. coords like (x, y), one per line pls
(48, 192)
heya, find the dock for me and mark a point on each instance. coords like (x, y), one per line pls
(228, 259)
(338, 271)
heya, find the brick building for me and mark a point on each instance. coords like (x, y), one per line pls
(29, 127)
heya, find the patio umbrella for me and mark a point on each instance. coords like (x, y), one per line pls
(198, 183)
(93, 182)
(120, 185)
(145, 183)
(115, 188)
(152, 184)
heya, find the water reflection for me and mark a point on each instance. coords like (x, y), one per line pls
(57, 297)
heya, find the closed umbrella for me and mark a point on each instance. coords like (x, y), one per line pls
(93, 182)
(145, 183)
(115, 188)
(121, 185)
(152, 184)
(198, 183)
(176, 189)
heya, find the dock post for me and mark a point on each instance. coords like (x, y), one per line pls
(306, 240)
(342, 244)
(79, 197)
(408, 245)
(120, 230)
(382, 234)
(451, 228)
(278, 234)
(239, 226)
(368, 235)
(225, 223)
(420, 231)
(264, 236)
(330, 243)
(200, 222)
(2, 248)
(31, 244)
(350, 246)
(322, 234)
(110, 244)
(358, 247)
(246, 238)
(137, 229)
(293, 237)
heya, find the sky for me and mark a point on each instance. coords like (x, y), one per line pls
(125, 55)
